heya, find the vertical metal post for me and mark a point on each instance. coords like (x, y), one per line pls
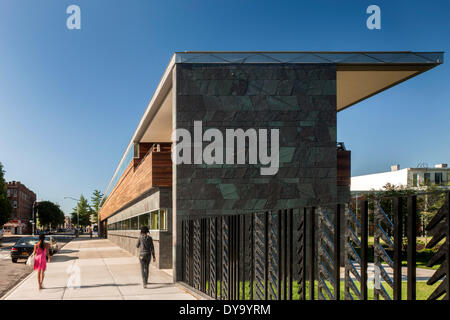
(232, 258)
(337, 252)
(266, 255)
(183, 251)
(285, 253)
(291, 251)
(252, 255)
(221, 255)
(206, 253)
(303, 253)
(447, 241)
(411, 254)
(243, 256)
(216, 255)
(238, 256)
(398, 223)
(364, 246)
(201, 255)
(312, 229)
(280, 251)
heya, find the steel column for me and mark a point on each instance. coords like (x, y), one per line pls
(291, 251)
(337, 252)
(364, 246)
(312, 254)
(398, 223)
(411, 254)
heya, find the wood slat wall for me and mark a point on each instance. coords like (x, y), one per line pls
(152, 170)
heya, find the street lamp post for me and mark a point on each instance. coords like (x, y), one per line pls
(33, 222)
(78, 213)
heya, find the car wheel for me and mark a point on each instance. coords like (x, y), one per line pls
(14, 260)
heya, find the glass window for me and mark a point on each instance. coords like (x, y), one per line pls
(144, 220)
(415, 180)
(438, 178)
(426, 178)
(15, 204)
(163, 219)
(126, 225)
(8, 193)
(15, 192)
(134, 223)
(154, 216)
(136, 150)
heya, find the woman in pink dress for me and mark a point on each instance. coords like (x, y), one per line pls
(41, 251)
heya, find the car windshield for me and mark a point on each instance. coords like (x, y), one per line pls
(25, 241)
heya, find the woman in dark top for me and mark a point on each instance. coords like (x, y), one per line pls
(145, 243)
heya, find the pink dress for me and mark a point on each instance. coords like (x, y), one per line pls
(39, 260)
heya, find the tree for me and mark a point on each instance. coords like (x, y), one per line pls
(5, 206)
(50, 214)
(97, 202)
(83, 210)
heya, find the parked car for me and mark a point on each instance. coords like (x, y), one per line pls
(23, 248)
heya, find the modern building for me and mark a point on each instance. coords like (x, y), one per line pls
(409, 177)
(22, 200)
(206, 94)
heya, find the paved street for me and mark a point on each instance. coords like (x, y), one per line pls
(97, 269)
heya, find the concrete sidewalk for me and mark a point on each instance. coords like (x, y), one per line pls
(97, 269)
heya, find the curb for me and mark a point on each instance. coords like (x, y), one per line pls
(7, 294)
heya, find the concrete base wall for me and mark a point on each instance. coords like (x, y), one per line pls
(161, 240)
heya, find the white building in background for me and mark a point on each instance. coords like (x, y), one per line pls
(408, 177)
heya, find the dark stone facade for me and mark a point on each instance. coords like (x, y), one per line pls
(298, 99)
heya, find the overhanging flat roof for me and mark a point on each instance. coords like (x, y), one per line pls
(359, 75)
(344, 57)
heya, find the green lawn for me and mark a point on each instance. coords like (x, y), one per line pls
(423, 290)
(422, 257)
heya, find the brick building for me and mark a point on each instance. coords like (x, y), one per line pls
(21, 199)
(298, 93)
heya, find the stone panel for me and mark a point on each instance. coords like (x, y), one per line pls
(298, 99)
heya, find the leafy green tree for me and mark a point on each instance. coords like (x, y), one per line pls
(97, 202)
(50, 214)
(5, 206)
(83, 210)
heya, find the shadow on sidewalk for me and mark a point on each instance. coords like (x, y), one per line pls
(67, 251)
(95, 286)
(58, 258)
(150, 286)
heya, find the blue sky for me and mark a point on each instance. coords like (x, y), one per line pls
(71, 99)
